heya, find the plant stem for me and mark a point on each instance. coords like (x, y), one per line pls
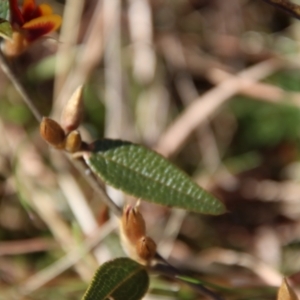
(164, 268)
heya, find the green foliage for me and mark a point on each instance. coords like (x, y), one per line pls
(95, 111)
(4, 10)
(42, 70)
(286, 79)
(118, 279)
(5, 27)
(145, 174)
(16, 112)
(264, 124)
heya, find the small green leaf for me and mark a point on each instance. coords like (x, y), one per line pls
(145, 174)
(118, 279)
(4, 10)
(5, 29)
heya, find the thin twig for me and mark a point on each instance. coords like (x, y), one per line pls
(68, 38)
(205, 106)
(171, 231)
(27, 246)
(257, 90)
(229, 257)
(117, 116)
(85, 61)
(141, 34)
(188, 92)
(80, 208)
(164, 268)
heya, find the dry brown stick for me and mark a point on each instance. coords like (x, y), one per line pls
(27, 246)
(117, 115)
(260, 91)
(141, 34)
(289, 7)
(67, 38)
(173, 50)
(229, 257)
(203, 108)
(86, 60)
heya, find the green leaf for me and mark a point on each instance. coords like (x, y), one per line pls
(145, 174)
(5, 29)
(118, 279)
(4, 10)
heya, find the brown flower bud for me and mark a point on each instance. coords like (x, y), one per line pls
(133, 224)
(52, 133)
(73, 141)
(133, 235)
(73, 111)
(146, 248)
(16, 45)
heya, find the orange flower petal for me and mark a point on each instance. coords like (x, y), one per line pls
(31, 11)
(41, 26)
(15, 13)
(28, 9)
(44, 10)
(39, 11)
(27, 4)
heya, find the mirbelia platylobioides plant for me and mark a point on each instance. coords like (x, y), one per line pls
(129, 167)
(139, 172)
(146, 175)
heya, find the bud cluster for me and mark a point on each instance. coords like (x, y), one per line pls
(65, 136)
(133, 235)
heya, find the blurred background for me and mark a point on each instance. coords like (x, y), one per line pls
(212, 85)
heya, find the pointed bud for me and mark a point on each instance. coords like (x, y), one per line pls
(146, 248)
(73, 141)
(52, 133)
(133, 224)
(133, 236)
(73, 111)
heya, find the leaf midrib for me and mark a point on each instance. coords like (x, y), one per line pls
(150, 178)
(121, 282)
(110, 159)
